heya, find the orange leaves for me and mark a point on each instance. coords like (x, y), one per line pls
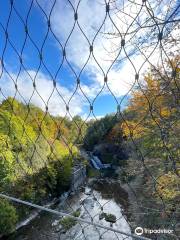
(115, 134)
(132, 129)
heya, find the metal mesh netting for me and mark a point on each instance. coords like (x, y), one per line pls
(64, 59)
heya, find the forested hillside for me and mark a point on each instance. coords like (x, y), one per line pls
(148, 131)
(150, 125)
(36, 156)
(152, 129)
(105, 138)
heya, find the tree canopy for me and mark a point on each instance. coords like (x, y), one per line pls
(37, 152)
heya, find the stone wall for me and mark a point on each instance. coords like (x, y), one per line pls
(78, 177)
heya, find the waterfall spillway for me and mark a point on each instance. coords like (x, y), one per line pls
(96, 163)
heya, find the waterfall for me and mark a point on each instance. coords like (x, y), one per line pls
(96, 162)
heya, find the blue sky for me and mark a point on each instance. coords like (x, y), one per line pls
(90, 17)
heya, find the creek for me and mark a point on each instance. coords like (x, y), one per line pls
(96, 196)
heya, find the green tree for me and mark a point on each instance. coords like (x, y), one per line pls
(8, 217)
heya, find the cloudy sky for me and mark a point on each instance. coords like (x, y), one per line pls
(47, 51)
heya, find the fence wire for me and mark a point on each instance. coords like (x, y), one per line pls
(64, 66)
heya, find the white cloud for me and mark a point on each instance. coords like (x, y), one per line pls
(91, 15)
(92, 23)
(43, 95)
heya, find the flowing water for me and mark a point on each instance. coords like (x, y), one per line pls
(97, 196)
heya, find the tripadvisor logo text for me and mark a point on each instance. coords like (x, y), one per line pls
(139, 231)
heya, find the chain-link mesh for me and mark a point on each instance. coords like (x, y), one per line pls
(61, 59)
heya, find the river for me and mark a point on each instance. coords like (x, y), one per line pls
(97, 196)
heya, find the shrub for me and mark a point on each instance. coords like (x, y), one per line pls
(67, 223)
(110, 218)
(77, 213)
(8, 217)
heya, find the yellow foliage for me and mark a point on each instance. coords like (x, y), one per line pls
(165, 112)
(167, 186)
(132, 129)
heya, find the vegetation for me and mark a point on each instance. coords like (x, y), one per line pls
(8, 217)
(77, 213)
(36, 156)
(108, 217)
(105, 138)
(68, 222)
(150, 132)
(92, 173)
(152, 118)
(149, 129)
(98, 130)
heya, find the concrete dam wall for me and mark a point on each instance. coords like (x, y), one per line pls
(78, 177)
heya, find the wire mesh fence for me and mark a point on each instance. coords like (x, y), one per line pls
(64, 66)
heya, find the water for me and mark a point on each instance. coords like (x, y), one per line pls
(97, 164)
(97, 196)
